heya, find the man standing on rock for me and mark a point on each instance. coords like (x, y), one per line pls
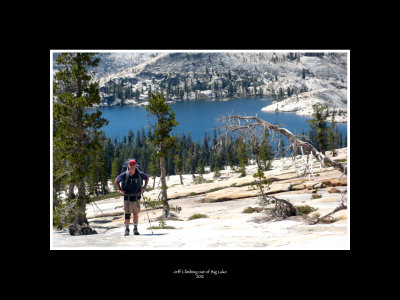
(132, 189)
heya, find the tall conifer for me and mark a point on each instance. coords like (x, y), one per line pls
(165, 121)
(73, 92)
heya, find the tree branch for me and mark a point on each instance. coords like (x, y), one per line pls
(232, 124)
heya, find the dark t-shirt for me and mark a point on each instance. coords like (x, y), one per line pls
(132, 185)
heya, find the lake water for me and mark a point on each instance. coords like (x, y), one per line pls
(198, 117)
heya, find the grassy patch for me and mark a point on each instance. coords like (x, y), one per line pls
(103, 197)
(305, 209)
(215, 189)
(197, 216)
(328, 220)
(292, 185)
(343, 160)
(161, 225)
(249, 210)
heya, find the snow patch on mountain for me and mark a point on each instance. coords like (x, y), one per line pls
(302, 104)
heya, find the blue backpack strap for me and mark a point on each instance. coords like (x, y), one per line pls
(126, 179)
(140, 178)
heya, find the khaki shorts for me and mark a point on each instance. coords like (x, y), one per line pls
(132, 206)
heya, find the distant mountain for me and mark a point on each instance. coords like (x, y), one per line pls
(113, 62)
(129, 78)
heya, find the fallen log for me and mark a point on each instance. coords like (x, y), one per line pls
(233, 124)
(325, 217)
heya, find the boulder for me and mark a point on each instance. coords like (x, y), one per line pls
(334, 190)
(335, 182)
(84, 229)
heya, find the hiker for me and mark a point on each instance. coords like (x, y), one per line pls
(132, 193)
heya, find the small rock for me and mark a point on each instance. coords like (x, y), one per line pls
(333, 190)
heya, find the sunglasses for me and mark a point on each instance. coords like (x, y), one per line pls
(132, 164)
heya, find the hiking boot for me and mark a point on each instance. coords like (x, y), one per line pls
(126, 232)
(135, 231)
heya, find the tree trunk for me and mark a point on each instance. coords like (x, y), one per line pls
(258, 161)
(181, 178)
(80, 217)
(164, 188)
(80, 222)
(71, 190)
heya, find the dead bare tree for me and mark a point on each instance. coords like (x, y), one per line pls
(283, 208)
(248, 124)
(328, 217)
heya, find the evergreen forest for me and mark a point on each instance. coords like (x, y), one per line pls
(191, 157)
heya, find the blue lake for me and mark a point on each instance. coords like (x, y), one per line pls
(198, 117)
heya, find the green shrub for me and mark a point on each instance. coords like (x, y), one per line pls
(175, 208)
(161, 225)
(217, 173)
(249, 210)
(305, 209)
(343, 160)
(199, 179)
(154, 204)
(197, 216)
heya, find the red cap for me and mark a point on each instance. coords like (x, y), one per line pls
(132, 161)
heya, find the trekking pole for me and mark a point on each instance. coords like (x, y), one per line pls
(147, 214)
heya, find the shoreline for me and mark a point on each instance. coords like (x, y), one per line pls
(303, 110)
(210, 99)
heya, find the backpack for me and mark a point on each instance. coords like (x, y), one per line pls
(126, 169)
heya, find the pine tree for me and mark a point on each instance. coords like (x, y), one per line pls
(179, 162)
(242, 154)
(255, 149)
(138, 140)
(332, 139)
(137, 95)
(154, 167)
(74, 92)
(162, 140)
(97, 169)
(266, 152)
(281, 94)
(115, 169)
(319, 127)
(131, 136)
(188, 162)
